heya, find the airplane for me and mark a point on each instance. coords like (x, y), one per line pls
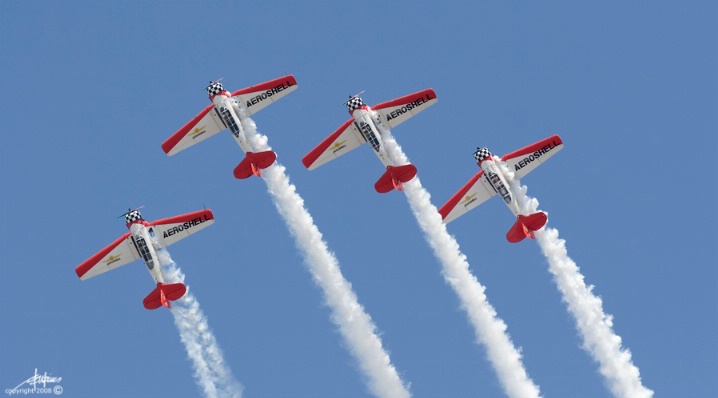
(226, 111)
(364, 127)
(142, 241)
(491, 181)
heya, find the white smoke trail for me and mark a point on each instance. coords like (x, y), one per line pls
(488, 327)
(355, 325)
(595, 326)
(211, 373)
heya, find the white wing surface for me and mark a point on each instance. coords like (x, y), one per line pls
(475, 192)
(258, 97)
(206, 124)
(116, 254)
(524, 160)
(346, 138)
(397, 111)
(170, 230)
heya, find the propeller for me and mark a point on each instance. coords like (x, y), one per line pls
(351, 97)
(213, 82)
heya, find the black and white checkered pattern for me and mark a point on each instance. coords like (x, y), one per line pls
(481, 154)
(132, 216)
(354, 103)
(214, 89)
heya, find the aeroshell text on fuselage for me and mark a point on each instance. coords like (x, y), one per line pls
(185, 226)
(534, 156)
(263, 96)
(406, 108)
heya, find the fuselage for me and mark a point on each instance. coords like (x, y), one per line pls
(229, 111)
(499, 183)
(142, 239)
(366, 122)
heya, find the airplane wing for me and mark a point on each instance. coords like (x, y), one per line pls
(475, 192)
(346, 138)
(116, 254)
(206, 124)
(396, 111)
(524, 160)
(169, 230)
(257, 97)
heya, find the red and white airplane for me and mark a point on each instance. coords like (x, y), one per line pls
(227, 111)
(491, 181)
(142, 242)
(362, 127)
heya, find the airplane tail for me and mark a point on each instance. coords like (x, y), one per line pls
(394, 176)
(163, 294)
(253, 162)
(525, 226)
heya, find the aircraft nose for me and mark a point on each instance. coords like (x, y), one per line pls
(481, 154)
(354, 103)
(214, 89)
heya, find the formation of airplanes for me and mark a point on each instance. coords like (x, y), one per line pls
(366, 125)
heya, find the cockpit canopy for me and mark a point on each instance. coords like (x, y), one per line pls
(482, 154)
(214, 88)
(354, 102)
(132, 217)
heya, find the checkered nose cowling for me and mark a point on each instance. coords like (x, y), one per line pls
(482, 154)
(132, 216)
(214, 89)
(354, 103)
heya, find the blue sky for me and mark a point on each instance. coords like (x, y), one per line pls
(90, 91)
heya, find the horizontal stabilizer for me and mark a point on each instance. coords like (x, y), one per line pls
(163, 294)
(394, 176)
(253, 163)
(525, 226)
